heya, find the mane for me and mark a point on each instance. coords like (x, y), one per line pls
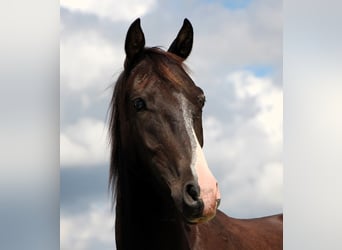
(160, 59)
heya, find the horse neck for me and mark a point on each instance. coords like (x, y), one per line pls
(144, 220)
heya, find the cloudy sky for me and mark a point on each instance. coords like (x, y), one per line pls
(236, 60)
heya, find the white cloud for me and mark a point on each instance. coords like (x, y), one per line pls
(270, 183)
(84, 143)
(92, 229)
(88, 60)
(269, 101)
(113, 10)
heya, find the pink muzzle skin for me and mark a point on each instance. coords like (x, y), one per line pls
(209, 191)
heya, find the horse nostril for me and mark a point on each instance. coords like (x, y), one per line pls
(193, 191)
(192, 203)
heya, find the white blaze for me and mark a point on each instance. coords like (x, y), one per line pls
(209, 192)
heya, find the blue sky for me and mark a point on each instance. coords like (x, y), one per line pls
(236, 60)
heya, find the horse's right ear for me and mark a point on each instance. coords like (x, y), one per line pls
(135, 42)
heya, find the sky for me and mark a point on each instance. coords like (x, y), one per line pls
(237, 61)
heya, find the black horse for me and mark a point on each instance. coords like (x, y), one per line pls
(165, 194)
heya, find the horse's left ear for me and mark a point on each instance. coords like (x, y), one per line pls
(182, 45)
(135, 42)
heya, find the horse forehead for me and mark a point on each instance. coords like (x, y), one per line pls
(153, 72)
(140, 79)
(161, 91)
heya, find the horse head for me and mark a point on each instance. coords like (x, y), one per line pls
(159, 109)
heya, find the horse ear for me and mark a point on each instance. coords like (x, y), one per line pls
(182, 45)
(135, 41)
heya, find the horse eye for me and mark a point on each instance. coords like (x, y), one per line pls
(201, 100)
(139, 104)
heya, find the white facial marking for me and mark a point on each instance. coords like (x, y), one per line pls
(209, 192)
(191, 133)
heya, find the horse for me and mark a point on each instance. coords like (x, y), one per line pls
(165, 196)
